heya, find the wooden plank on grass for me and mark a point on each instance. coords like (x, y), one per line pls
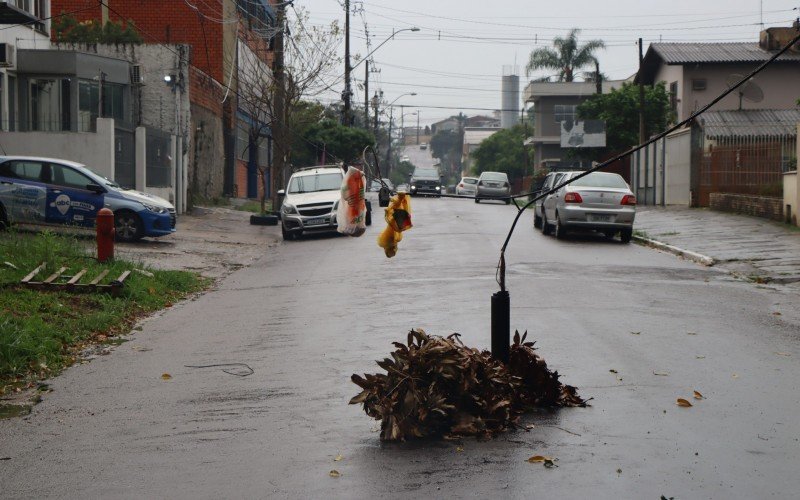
(97, 280)
(32, 273)
(53, 276)
(77, 277)
(121, 279)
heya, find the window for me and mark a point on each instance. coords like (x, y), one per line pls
(89, 104)
(12, 103)
(564, 112)
(698, 84)
(45, 102)
(65, 176)
(26, 170)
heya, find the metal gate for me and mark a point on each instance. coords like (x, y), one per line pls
(125, 157)
(159, 164)
(745, 165)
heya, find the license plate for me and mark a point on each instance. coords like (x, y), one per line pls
(599, 218)
(316, 222)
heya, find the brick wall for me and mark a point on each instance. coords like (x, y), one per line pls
(159, 21)
(759, 206)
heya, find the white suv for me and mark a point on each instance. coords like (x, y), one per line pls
(311, 199)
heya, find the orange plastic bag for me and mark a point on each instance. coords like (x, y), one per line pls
(351, 215)
(398, 219)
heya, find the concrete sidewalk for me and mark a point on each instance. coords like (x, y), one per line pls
(762, 250)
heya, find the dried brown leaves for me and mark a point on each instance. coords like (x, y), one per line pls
(436, 386)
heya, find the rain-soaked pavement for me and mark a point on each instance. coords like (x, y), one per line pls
(632, 328)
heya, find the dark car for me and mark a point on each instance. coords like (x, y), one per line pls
(426, 181)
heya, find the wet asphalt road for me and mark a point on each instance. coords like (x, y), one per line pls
(312, 312)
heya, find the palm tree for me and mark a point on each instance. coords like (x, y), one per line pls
(566, 57)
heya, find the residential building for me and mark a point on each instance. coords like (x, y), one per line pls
(696, 73)
(744, 144)
(473, 136)
(449, 124)
(217, 34)
(554, 102)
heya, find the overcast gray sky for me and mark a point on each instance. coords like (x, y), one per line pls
(456, 60)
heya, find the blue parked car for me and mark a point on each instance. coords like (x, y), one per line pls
(52, 191)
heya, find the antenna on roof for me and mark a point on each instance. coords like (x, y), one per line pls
(749, 91)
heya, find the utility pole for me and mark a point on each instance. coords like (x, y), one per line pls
(641, 95)
(366, 94)
(279, 107)
(376, 101)
(417, 127)
(347, 93)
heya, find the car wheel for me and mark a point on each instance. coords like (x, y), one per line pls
(545, 225)
(625, 235)
(537, 221)
(560, 230)
(287, 235)
(477, 200)
(128, 226)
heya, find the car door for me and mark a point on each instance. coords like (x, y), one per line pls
(549, 204)
(22, 192)
(546, 186)
(70, 200)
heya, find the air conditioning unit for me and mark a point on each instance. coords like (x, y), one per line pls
(136, 74)
(7, 52)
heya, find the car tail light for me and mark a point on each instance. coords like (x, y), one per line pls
(628, 199)
(461, 185)
(573, 198)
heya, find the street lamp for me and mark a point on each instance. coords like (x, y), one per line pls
(348, 68)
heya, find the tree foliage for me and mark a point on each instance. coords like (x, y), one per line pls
(620, 110)
(447, 146)
(67, 29)
(503, 151)
(566, 56)
(340, 143)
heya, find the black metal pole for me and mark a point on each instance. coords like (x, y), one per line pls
(501, 325)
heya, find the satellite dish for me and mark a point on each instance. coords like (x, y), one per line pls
(749, 90)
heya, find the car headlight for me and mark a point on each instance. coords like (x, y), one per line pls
(438, 188)
(288, 209)
(154, 208)
(413, 186)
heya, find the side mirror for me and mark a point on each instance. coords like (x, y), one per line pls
(95, 188)
(281, 192)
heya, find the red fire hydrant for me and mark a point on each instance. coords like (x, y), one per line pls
(105, 235)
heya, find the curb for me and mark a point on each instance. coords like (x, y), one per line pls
(688, 254)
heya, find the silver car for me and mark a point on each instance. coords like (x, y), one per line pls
(493, 186)
(600, 201)
(467, 186)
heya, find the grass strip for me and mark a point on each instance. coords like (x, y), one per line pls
(42, 331)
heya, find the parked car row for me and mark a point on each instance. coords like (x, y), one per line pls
(599, 201)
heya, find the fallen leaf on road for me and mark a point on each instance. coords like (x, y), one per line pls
(140, 348)
(166, 376)
(530, 426)
(338, 458)
(691, 333)
(700, 357)
(539, 459)
(776, 313)
(334, 473)
(613, 371)
(459, 449)
(697, 395)
(735, 376)
(783, 354)
(619, 471)
(636, 333)
(682, 402)
(661, 374)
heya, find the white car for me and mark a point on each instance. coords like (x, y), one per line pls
(311, 199)
(467, 186)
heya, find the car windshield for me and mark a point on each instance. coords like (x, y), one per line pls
(494, 176)
(313, 183)
(601, 179)
(469, 180)
(426, 172)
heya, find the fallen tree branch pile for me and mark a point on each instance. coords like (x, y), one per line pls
(437, 386)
